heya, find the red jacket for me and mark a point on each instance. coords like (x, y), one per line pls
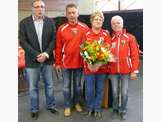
(90, 35)
(126, 52)
(68, 39)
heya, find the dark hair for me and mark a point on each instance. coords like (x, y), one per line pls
(71, 5)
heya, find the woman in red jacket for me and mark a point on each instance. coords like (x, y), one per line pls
(125, 50)
(94, 80)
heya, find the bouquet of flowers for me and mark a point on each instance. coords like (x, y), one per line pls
(95, 53)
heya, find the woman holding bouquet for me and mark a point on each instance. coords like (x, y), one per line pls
(125, 50)
(95, 72)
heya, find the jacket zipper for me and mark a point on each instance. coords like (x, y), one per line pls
(118, 49)
(127, 59)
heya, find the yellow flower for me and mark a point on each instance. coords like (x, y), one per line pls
(95, 51)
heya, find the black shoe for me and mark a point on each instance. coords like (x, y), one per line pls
(97, 114)
(34, 115)
(53, 110)
(115, 111)
(114, 115)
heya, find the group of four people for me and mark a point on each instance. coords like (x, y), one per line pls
(39, 39)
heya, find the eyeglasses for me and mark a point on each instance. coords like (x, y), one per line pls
(36, 7)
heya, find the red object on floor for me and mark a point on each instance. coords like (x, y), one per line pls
(21, 58)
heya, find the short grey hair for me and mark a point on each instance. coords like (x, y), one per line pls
(33, 1)
(118, 18)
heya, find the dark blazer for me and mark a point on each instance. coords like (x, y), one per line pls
(29, 41)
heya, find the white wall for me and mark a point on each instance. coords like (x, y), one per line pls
(84, 6)
(131, 4)
(105, 5)
(23, 14)
(88, 6)
(109, 5)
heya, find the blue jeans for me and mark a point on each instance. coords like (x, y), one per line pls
(71, 76)
(33, 77)
(94, 85)
(120, 90)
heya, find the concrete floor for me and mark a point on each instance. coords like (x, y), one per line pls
(135, 106)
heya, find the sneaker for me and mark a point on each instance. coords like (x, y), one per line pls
(123, 115)
(89, 113)
(97, 114)
(78, 108)
(67, 112)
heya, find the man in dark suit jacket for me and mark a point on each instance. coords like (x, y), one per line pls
(37, 38)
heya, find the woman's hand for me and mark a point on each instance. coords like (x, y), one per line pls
(94, 67)
(112, 58)
(133, 76)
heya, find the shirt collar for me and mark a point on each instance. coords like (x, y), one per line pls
(73, 25)
(97, 33)
(35, 19)
(122, 32)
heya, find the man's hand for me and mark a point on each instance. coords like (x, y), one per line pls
(54, 54)
(41, 58)
(133, 76)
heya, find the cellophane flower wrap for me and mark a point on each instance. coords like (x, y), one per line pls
(95, 53)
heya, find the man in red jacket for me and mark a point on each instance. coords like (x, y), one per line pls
(125, 50)
(68, 39)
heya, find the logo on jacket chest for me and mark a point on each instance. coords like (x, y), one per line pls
(74, 31)
(123, 42)
(113, 44)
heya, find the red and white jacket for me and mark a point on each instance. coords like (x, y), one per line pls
(68, 40)
(90, 35)
(125, 49)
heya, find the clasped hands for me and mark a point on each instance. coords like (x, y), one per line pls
(41, 58)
